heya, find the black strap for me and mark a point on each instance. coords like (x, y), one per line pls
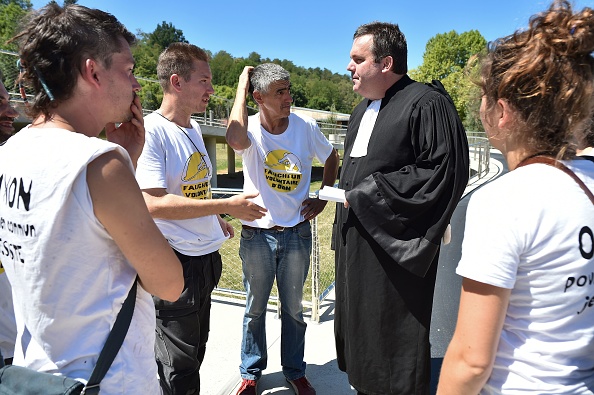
(180, 128)
(555, 163)
(113, 343)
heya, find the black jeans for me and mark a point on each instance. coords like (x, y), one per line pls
(183, 325)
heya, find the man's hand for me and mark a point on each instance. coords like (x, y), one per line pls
(129, 135)
(244, 80)
(226, 227)
(312, 207)
(241, 207)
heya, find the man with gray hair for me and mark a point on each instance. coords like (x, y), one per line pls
(277, 148)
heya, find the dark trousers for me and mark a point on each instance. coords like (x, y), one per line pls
(183, 325)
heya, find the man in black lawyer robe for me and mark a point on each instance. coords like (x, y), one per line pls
(405, 168)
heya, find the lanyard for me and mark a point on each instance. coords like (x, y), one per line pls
(180, 128)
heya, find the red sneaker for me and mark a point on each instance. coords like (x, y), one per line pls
(301, 386)
(248, 387)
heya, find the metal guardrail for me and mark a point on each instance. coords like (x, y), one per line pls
(321, 279)
(480, 156)
(231, 282)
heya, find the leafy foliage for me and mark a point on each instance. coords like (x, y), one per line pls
(23, 4)
(311, 88)
(11, 14)
(451, 58)
(164, 34)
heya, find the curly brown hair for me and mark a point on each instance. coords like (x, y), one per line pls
(53, 44)
(546, 74)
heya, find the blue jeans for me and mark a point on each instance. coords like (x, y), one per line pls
(266, 254)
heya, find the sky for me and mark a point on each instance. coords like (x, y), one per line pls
(318, 33)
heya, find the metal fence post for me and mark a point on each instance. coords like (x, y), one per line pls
(315, 272)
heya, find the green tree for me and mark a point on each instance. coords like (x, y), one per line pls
(146, 54)
(472, 102)
(255, 58)
(150, 95)
(11, 14)
(24, 4)
(446, 58)
(165, 34)
(221, 66)
(448, 53)
(146, 57)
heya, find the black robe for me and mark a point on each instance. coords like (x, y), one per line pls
(402, 195)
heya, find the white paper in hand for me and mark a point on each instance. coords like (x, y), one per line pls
(332, 194)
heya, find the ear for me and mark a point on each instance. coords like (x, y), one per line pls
(176, 82)
(257, 97)
(387, 62)
(503, 114)
(91, 72)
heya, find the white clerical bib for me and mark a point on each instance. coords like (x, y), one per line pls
(365, 129)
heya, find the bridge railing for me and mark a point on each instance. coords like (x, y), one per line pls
(480, 155)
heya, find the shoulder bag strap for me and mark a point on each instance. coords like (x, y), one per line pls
(113, 343)
(555, 163)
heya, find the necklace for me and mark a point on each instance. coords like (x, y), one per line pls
(180, 128)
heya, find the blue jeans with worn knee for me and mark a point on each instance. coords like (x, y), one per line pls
(267, 254)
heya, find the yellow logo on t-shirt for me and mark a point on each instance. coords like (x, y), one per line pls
(196, 169)
(282, 170)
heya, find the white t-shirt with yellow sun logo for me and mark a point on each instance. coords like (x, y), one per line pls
(175, 158)
(279, 168)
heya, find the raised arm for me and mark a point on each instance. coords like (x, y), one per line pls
(469, 359)
(118, 205)
(238, 119)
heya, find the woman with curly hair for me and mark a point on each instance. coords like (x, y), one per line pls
(526, 317)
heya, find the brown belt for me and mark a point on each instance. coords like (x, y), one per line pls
(275, 227)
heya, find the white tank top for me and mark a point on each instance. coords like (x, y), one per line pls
(69, 278)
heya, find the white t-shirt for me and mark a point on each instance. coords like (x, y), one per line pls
(7, 321)
(175, 158)
(278, 167)
(531, 231)
(68, 276)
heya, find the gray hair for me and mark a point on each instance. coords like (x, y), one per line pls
(264, 75)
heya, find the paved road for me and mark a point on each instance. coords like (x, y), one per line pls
(220, 373)
(447, 287)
